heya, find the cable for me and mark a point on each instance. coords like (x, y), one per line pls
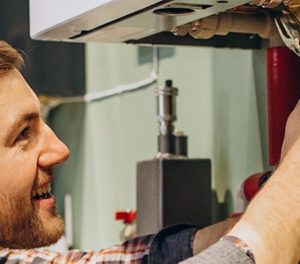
(51, 103)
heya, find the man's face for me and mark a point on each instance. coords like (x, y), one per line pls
(28, 151)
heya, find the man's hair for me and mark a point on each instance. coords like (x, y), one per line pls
(10, 58)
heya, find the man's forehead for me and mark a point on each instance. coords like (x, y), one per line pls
(15, 90)
(16, 98)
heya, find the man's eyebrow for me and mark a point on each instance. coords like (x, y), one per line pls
(23, 119)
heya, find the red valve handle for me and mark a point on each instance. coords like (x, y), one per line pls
(251, 185)
(128, 217)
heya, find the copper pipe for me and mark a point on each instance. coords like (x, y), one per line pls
(225, 23)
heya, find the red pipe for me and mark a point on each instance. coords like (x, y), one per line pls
(283, 75)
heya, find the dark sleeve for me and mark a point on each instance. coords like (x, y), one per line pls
(172, 245)
(223, 252)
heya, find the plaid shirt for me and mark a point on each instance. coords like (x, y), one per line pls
(171, 245)
(130, 252)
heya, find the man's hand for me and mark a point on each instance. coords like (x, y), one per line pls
(270, 225)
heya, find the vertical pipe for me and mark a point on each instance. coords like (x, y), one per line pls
(166, 113)
(283, 93)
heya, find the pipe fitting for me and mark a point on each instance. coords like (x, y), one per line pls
(293, 3)
(166, 115)
(224, 23)
(268, 3)
(205, 28)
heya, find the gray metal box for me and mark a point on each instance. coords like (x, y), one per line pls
(171, 191)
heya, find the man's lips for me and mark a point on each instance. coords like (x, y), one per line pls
(46, 204)
(43, 197)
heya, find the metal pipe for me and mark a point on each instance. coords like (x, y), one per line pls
(181, 144)
(269, 3)
(224, 23)
(293, 4)
(166, 113)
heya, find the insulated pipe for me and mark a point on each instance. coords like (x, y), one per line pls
(283, 93)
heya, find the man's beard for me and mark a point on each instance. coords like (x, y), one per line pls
(22, 227)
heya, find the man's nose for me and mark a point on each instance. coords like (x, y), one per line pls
(53, 150)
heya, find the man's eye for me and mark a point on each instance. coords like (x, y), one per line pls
(23, 135)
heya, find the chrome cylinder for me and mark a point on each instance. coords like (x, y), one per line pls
(166, 115)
